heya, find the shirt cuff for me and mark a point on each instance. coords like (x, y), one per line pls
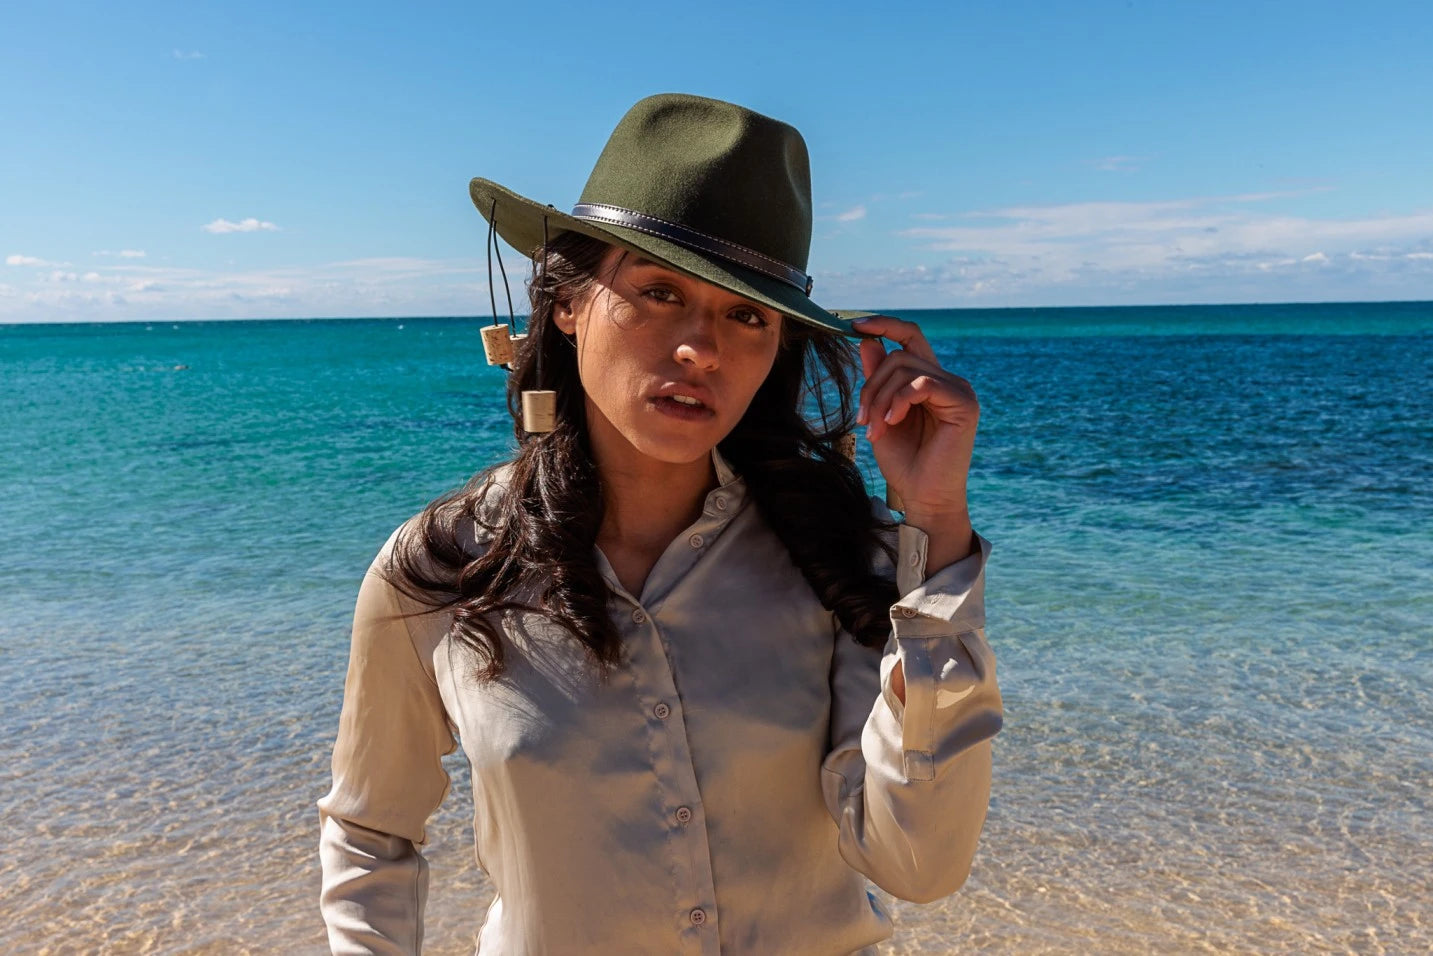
(950, 601)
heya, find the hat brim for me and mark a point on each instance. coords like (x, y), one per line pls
(520, 223)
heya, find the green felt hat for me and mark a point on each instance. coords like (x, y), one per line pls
(709, 188)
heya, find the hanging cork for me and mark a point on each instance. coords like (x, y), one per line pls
(497, 344)
(518, 341)
(893, 500)
(846, 445)
(539, 411)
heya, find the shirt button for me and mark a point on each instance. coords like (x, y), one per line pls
(909, 612)
(639, 616)
(662, 711)
(698, 916)
(720, 502)
(684, 815)
(915, 559)
(696, 541)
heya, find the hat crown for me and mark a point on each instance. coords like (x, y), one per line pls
(713, 167)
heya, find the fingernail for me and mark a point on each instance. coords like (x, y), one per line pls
(861, 414)
(888, 420)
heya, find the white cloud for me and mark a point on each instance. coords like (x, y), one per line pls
(1244, 247)
(222, 226)
(379, 287)
(1057, 243)
(852, 214)
(19, 260)
(123, 253)
(974, 281)
(187, 55)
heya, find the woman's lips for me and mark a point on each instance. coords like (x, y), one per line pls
(686, 413)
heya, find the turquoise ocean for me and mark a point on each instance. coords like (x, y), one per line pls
(1211, 597)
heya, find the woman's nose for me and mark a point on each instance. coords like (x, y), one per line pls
(697, 345)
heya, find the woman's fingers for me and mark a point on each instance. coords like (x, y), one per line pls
(872, 351)
(917, 388)
(906, 334)
(948, 397)
(875, 394)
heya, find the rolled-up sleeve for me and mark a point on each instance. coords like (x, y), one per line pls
(388, 779)
(908, 784)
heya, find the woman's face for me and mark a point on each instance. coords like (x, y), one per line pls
(669, 363)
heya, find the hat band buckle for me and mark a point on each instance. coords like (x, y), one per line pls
(695, 240)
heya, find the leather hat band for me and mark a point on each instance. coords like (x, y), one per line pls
(698, 241)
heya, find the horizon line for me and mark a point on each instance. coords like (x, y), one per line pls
(499, 319)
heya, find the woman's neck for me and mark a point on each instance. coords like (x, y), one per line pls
(646, 503)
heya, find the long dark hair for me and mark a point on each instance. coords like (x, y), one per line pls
(528, 545)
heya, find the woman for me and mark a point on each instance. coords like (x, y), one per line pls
(706, 686)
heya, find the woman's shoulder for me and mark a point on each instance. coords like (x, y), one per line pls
(450, 530)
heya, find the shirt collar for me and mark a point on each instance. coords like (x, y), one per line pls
(724, 474)
(722, 504)
(726, 499)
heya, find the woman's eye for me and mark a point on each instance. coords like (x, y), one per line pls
(750, 317)
(661, 294)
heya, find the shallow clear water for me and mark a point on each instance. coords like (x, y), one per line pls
(1211, 597)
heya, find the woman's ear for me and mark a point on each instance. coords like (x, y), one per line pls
(564, 318)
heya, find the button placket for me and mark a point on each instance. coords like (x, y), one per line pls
(686, 842)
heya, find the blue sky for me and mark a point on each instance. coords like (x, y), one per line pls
(217, 160)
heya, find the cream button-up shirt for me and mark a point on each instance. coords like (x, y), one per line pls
(728, 789)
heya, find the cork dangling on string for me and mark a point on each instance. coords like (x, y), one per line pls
(502, 346)
(497, 338)
(498, 344)
(539, 406)
(539, 410)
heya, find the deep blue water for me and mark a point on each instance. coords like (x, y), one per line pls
(1211, 598)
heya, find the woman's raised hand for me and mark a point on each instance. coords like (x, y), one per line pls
(920, 420)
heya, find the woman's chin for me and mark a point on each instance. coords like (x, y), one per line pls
(675, 451)
(676, 443)
(656, 435)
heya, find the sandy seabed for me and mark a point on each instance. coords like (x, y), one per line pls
(250, 885)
